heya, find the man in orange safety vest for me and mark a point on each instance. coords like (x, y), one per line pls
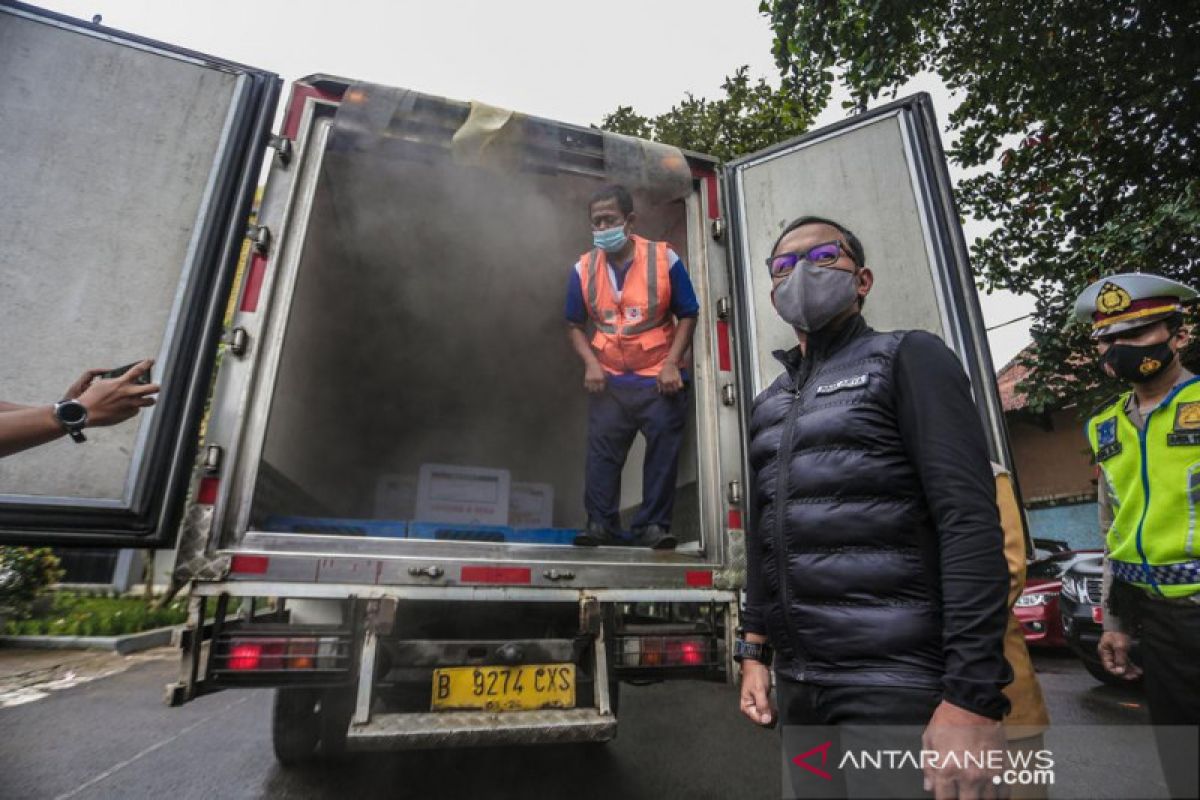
(638, 298)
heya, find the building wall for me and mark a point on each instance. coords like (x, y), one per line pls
(1052, 461)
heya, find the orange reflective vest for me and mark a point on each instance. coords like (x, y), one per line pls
(635, 327)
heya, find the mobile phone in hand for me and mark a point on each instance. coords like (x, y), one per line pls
(144, 378)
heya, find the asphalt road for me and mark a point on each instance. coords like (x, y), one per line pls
(113, 738)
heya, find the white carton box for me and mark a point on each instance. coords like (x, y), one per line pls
(531, 505)
(463, 495)
(395, 496)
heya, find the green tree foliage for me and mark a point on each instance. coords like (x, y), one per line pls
(1089, 112)
(749, 116)
(25, 572)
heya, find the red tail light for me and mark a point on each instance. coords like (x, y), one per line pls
(282, 653)
(273, 652)
(245, 656)
(664, 651)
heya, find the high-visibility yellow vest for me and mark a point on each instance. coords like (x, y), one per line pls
(1154, 475)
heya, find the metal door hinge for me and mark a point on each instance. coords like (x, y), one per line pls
(213, 456)
(260, 237)
(718, 229)
(728, 394)
(239, 341)
(735, 493)
(283, 148)
(724, 308)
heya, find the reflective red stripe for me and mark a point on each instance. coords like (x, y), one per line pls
(710, 184)
(256, 273)
(207, 493)
(698, 578)
(724, 360)
(252, 565)
(496, 575)
(300, 93)
(735, 518)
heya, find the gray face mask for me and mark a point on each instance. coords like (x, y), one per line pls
(812, 296)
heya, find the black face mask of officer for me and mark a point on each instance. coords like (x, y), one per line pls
(1138, 363)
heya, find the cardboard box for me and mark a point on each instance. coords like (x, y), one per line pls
(531, 505)
(467, 495)
(395, 496)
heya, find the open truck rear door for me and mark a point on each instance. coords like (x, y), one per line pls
(129, 171)
(883, 175)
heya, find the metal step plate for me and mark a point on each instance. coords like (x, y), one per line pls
(471, 729)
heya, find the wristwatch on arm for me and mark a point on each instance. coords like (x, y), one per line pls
(72, 415)
(755, 651)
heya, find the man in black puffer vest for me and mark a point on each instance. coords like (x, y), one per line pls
(875, 557)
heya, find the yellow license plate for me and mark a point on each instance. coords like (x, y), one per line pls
(523, 688)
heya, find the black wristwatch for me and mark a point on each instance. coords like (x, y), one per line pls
(72, 415)
(755, 651)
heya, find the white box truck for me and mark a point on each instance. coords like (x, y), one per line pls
(399, 304)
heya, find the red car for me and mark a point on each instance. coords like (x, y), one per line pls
(1037, 607)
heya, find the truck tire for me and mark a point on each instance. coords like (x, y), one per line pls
(337, 707)
(295, 725)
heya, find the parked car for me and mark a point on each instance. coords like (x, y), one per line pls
(1037, 609)
(1083, 617)
(1044, 548)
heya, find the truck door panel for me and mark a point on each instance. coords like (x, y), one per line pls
(882, 174)
(133, 164)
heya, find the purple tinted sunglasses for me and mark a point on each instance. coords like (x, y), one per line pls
(822, 255)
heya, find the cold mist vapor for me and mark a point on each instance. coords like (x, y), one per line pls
(428, 322)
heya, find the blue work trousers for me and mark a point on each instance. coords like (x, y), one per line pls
(615, 416)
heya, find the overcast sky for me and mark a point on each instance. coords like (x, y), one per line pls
(568, 61)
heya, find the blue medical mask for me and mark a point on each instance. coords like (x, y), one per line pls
(610, 240)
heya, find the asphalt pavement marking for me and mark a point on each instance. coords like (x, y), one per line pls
(122, 764)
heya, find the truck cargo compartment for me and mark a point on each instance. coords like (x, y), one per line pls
(426, 329)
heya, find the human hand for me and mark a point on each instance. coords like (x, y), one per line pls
(114, 400)
(755, 697)
(82, 383)
(669, 379)
(593, 378)
(1114, 654)
(952, 729)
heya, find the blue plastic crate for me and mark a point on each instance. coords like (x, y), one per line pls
(332, 526)
(451, 532)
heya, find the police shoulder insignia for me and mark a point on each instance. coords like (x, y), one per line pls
(1112, 298)
(1187, 417)
(1107, 445)
(1100, 409)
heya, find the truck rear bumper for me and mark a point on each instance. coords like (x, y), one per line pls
(472, 729)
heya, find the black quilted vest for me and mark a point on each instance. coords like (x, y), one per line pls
(847, 547)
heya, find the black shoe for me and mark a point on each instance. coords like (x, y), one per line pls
(594, 535)
(656, 537)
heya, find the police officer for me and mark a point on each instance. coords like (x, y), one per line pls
(1147, 445)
